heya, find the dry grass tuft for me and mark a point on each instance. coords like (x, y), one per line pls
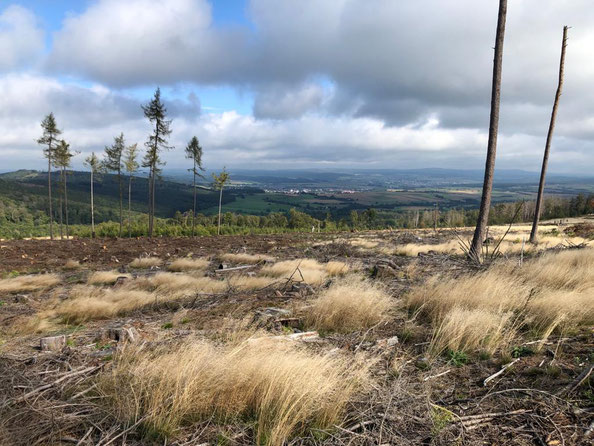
(247, 258)
(145, 262)
(508, 246)
(284, 390)
(71, 264)
(96, 303)
(175, 285)
(105, 277)
(29, 283)
(247, 283)
(494, 290)
(180, 265)
(570, 269)
(466, 330)
(349, 305)
(553, 292)
(313, 272)
(364, 243)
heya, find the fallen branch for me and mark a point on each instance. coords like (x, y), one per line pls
(438, 375)
(58, 381)
(235, 268)
(582, 377)
(503, 369)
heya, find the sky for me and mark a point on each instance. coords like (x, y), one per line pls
(268, 84)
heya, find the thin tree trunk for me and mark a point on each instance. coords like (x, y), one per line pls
(545, 160)
(153, 206)
(66, 205)
(121, 199)
(92, 208)
(150, 185)
(49, 189)
(60, 201)
(130, 207)
(194, 210)
(220, 204)
(483, 217)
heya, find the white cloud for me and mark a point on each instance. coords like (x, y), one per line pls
(395, 83)
(21, 38)
(143, 42)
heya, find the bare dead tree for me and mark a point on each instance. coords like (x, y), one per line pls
(483, 217)
(545, 160)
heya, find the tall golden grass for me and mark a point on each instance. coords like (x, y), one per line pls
(552, 292)
(28, 283)
(105, 277)
(145, 262)
(88, 303)
(508, 246)
(180, 265)
(282, 389)
(246, 258)
(313, 272)
(350, 304)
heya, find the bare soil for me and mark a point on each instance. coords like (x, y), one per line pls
(540, 400)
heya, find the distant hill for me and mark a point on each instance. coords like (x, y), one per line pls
(29, 187)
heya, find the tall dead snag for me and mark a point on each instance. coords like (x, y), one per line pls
(483, 217)
(545, 159)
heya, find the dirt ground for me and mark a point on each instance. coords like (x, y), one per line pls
(543, 399)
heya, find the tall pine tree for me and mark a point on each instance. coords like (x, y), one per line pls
(62, 158)
(131, 165)
(113, 163)
(49, 138)
(156, 113)
(194, 152)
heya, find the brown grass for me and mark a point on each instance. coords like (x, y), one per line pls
(349, 305)
(284, 390)
(467, 330)
(145, 262)
(247, 258)
(553, 292)
(247, 283)
(177, 285)
(571, 269)
(96, 303)
(105, 277)
(71, 264)
(29, 283)
(313, 272)
(180, 265)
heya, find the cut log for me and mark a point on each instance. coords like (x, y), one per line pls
(53, 343)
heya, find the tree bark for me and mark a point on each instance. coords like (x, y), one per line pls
(49, 188)
(545, 160)
(66, 205)
(61, 193)
(150, 204)
(130, 207)
(121, 199)
(220, 204)
(92, 208)
(194, 209)
(483, 217)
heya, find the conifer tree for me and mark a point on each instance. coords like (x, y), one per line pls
(194, 152)
(219, 183)
(113, 163)
(156, 113)
(131, 165)
(49, 139)
(93, 163)
(62, 159)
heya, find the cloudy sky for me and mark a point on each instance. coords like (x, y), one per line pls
(299, 83)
